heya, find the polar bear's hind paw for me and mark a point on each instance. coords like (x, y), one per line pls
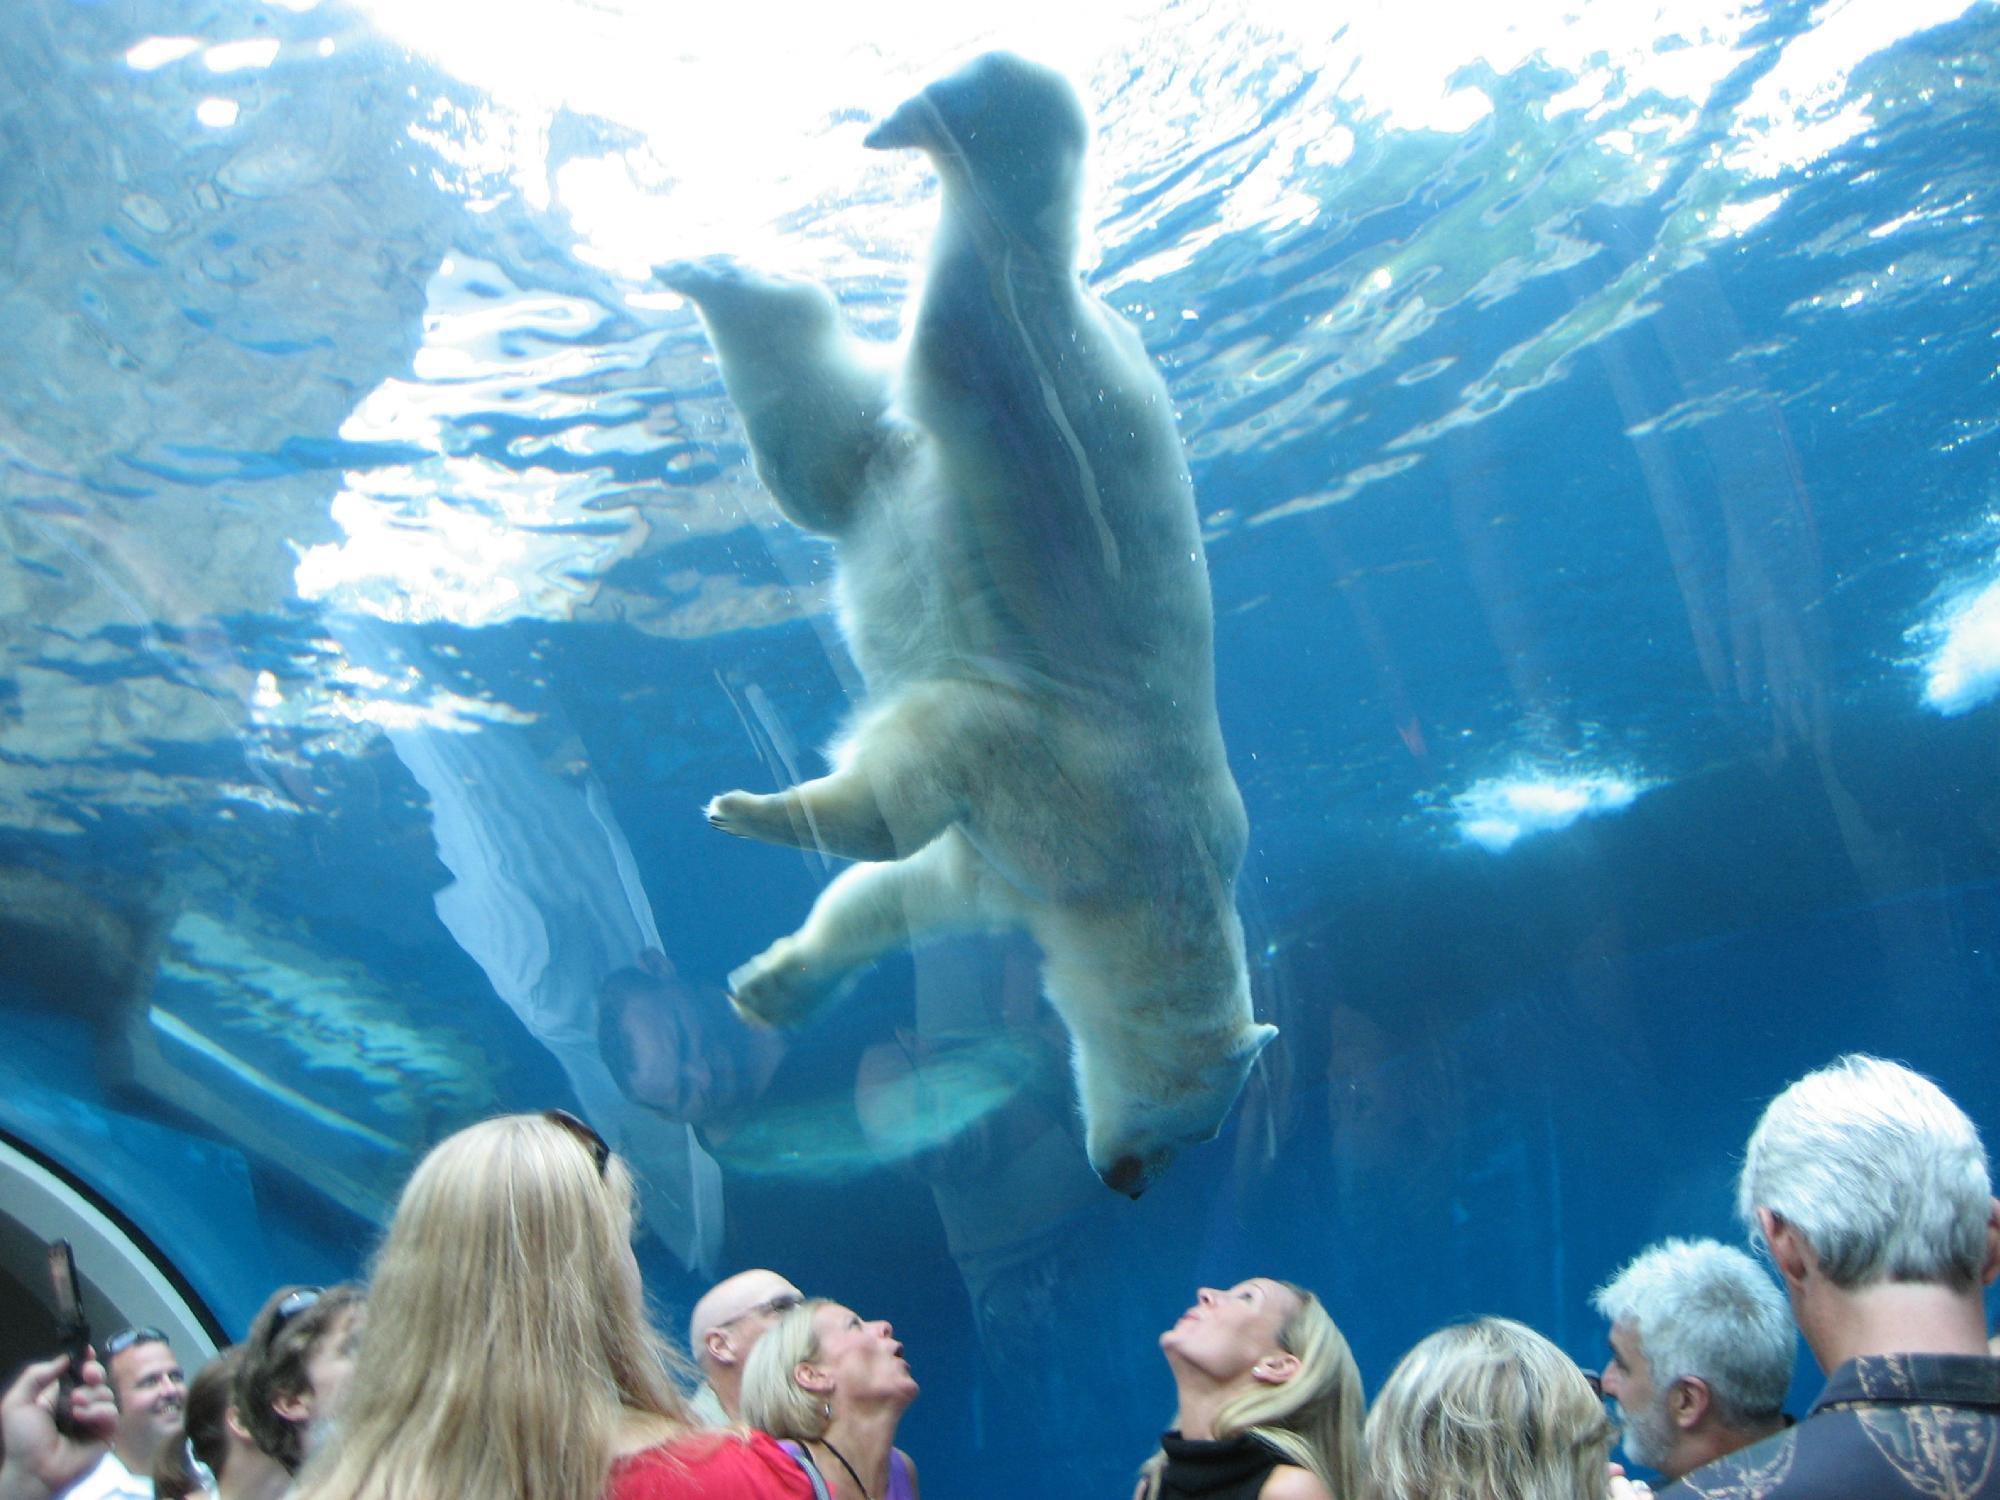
(779, 987)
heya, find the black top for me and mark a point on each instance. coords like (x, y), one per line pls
(1231, 1470)
(1887, 1427)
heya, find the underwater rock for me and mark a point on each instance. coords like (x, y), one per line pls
(1022, 584)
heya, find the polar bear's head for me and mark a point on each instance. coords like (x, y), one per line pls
(1149, 1095)
(1005, 134)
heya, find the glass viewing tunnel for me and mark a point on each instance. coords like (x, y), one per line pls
(1591, 411)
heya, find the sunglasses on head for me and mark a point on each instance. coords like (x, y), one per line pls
(125, 1339)
(600, 1151)
(293, 1304)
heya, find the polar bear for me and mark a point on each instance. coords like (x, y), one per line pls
(1021, 582)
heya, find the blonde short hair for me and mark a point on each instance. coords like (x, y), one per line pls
(508, 1338)
(773, 1401)
(1488, 1410)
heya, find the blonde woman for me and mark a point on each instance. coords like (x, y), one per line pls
(509, 1355)
(833, 1387)
(1270, 1401)
(1489, 1410)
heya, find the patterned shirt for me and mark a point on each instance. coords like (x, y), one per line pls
(1887, 1427)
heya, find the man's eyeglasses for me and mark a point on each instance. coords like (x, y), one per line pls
(119, 1342)
(770, 1307)
(1596, 1382)
(600, 1151)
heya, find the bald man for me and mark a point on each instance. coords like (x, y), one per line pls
(727, 1322)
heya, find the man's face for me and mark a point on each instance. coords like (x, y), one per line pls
(329, 1368)
(681, 1066)
(1642, 1411)
(151, 1390)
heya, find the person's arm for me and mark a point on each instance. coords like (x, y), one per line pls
(41, 1460)
(1290, 1482)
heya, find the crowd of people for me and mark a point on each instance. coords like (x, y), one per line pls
(1866, 1187)
(137, 1427)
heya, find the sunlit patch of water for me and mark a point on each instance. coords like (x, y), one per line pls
(1498, 812)
(1961, 666)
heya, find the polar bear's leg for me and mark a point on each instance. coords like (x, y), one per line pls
(869, 910)
(840, 814)
(902, 777)
(814, 403)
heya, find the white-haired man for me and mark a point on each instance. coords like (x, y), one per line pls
(1702, 1346)
(1871, 1190)
(725, 1326)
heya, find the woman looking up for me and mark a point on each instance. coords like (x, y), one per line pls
(1270, 1403)
(834, 1388)
(510, 1357)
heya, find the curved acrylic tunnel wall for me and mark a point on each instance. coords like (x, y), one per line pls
(1590, 431)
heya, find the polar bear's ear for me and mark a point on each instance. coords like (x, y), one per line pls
(1254, 1040)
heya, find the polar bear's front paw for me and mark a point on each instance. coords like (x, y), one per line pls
(725, 812)
(779, 987)
(697, 279)
(743, 298)
(750, 816)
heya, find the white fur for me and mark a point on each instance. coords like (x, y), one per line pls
(1022, 585)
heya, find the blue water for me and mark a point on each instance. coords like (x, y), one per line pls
(1595, 436)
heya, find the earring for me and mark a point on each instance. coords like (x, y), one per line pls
(826, 1410)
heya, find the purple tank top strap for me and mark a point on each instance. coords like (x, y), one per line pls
(900, 1487)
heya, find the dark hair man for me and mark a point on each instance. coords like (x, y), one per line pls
(150, 1388)
(296, 1363)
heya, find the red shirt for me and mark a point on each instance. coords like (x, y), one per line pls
(710, 1466)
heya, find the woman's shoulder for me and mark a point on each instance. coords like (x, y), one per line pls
(733, 1464)
(1290, 1482)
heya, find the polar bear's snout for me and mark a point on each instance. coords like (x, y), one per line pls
(1135, 1134)
(1132, 1176)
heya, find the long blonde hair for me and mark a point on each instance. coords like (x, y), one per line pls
(1313, 1419)
(507, 1338)
(1488, 1410)
(773, 1400)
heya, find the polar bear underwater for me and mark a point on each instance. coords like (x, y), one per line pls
(1022, 585)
